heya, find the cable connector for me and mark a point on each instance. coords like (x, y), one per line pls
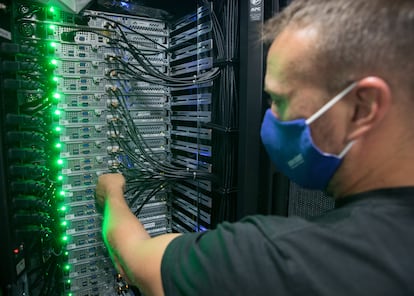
(20, 84)
(24, 121)
(24, 136)
(16, 66)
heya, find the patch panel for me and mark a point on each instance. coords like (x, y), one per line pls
(196, 49)
(147, 102)
(192, 33)
(204, 184)
(199, 88)
(193, 66)
(191, 132)
(113, 134)
(198, 149)
(147, 114)
(143, 25)
(153, 143)
(158, 231)
(159, 199)
(115, 54)
(201, 12)
(197, 116)
(155, 223)
(191, 100)
(152, 120)
(153, 42)
(152, 209)
(104, 54)
(186, 206)
(146, 130)
(178, 228)
(134, 86)
(185, 220)
(191, 163)
(194, 195)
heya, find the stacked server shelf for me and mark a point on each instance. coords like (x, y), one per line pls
(192, 45)
(116, 93)
(93, 132)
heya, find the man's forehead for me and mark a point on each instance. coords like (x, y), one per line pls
(290, 56)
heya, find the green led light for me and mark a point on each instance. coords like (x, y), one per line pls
(58, 129)
(63, 208)
(65, 238)
(60, 178)
(64, 223)
(58, 145)
(53, 44)
(57, 112)
(59, 161)
(51, 9)
(54, 62)
(66, 253)
(57, 96)
(52, 27)
(67, 267)
(62, 193)
(70, 294)
(55, 79)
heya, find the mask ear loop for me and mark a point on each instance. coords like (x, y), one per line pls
(328, 105)
(346, 149)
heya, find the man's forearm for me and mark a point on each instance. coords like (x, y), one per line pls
(121, 229)
(130, 246)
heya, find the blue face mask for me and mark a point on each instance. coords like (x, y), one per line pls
(291, 148)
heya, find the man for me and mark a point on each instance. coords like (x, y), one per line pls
(340, 75)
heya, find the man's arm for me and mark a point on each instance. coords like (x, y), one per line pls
(138, 255)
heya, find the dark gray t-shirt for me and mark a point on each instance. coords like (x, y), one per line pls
(365, 246)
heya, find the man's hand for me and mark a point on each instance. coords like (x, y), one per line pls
(109, 186)
(136, 255)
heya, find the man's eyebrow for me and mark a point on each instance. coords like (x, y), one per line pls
(275, 94)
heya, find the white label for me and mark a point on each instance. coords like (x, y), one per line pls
(149, 225)
(5, 34)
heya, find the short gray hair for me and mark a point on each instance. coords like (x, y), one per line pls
(356, 37)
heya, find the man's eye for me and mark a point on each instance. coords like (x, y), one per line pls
(280, 104)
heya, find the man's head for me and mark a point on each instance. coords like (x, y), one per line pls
(321, 46)
(356, 38)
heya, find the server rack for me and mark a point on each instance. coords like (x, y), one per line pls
(92, 87)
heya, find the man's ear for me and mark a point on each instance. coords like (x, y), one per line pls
(372, 101)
